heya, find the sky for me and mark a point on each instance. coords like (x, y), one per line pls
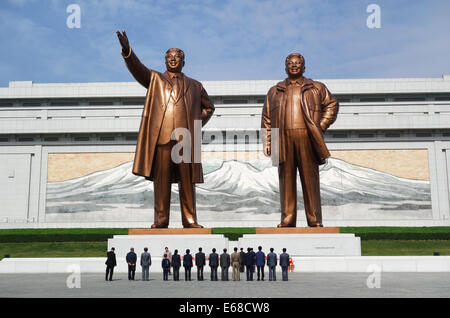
(223, 39)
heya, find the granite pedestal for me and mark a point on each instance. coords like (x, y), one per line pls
(304, 244)
(157, 243)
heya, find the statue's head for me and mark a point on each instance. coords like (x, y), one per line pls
(174, 60)
(295, 65)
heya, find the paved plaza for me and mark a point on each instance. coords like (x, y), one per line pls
(299, 285)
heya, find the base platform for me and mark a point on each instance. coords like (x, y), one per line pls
(311, 244)
(156, 243)
(306, 244)
(350, 264)
(297, 230)
(169, 231)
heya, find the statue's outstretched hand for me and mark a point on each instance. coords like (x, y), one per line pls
(123, 39)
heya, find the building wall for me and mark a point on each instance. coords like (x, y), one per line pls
(66, 152)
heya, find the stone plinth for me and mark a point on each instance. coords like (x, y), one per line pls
(157, 243)
(304, 244)
(169, 231)
(296, 230)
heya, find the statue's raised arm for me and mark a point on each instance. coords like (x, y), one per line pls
(139, 71)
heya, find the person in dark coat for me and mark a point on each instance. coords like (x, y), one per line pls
(225, 262)
(242, 254)
(200, 262)
(253, 255)
(214, 263)
(284, 263)
(176, 264)
(260, 262)
(131, 261)
(166, 266)
(249, 262)
(272, 263)
(187, 264)
(110, 263)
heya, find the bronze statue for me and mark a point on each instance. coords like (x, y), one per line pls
(301, 109)
(173, 101)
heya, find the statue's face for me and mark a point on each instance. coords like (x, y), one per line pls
(174, 61)
(294, 67)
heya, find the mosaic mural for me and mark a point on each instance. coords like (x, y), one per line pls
(355, 184)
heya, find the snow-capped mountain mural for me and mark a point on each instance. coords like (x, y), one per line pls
(236, 190)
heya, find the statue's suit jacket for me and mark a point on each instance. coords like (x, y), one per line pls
(198, 107)
(319, 108)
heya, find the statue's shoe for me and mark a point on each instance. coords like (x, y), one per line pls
(193, 226)
(288, 221)
(159, 226)
(285, 225)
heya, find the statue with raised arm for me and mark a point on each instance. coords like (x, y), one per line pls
(174, 103)
(301, 110)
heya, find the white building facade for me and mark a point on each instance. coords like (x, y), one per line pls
(66, 152)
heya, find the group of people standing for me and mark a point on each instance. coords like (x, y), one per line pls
(250, 260)
(239, 261)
